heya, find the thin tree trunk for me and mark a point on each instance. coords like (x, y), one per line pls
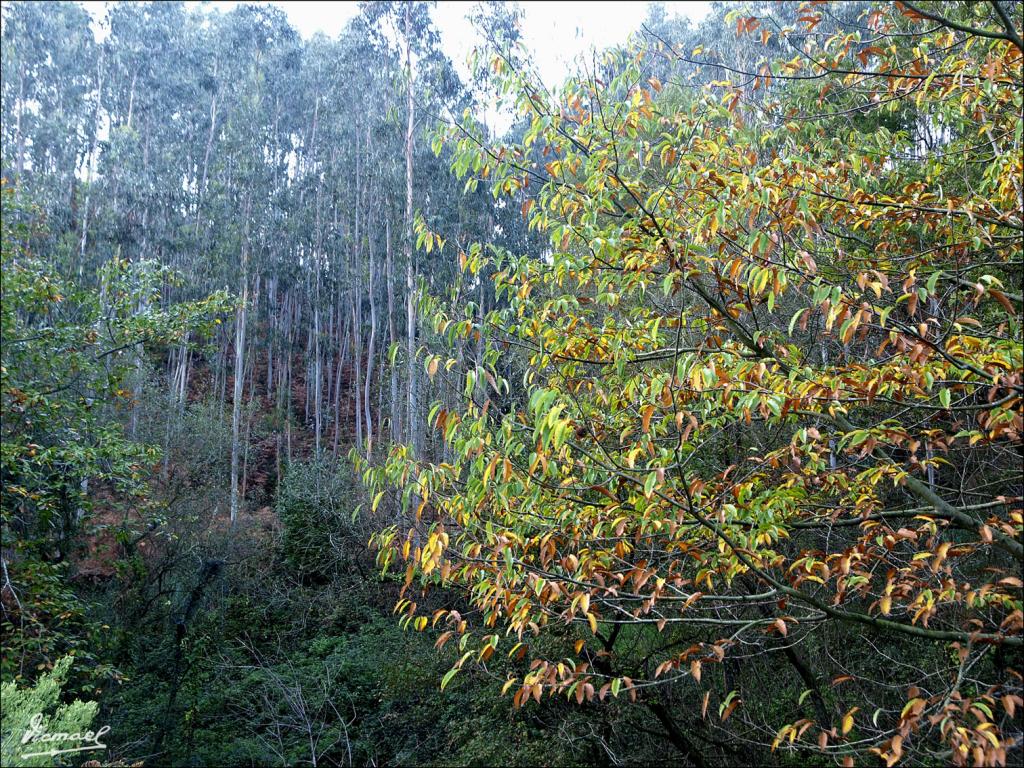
(357, 299)
(88, 162)
(342, 355)
(277, 460)
(370, 353)
(308, 380)
(222, 373)
(19, 134)
(410, 303)
(172, 389)
(358, 355)
(236, 409)
(317, 373)
(272, 310)
(371, 345)
(209, 145)
(381, 363)
(396, 426)
(131, 99)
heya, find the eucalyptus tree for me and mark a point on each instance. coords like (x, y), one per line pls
(49, 97)
(224, 146)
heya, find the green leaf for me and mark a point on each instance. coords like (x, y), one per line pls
(793, 320)
(448, 677)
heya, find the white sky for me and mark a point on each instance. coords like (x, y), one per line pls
(557, 32)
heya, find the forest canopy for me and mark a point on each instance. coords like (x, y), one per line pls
(683, 417)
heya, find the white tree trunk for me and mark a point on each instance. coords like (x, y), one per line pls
(236, 407)
(370, 350)
(396, 421)
(410, 299)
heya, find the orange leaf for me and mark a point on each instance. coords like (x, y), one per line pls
(647, 413)
(1001, 298)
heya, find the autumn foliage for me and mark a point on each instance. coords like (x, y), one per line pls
(756, 415)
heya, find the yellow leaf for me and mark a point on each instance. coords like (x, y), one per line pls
(848, 720)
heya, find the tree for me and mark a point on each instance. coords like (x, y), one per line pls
(67, 359)
(772, 393)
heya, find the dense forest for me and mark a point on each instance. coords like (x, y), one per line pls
(680, 422)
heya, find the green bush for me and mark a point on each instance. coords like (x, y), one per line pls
(315, 503)
(37, 710)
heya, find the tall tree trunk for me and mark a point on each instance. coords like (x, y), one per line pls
(272, 330)
(342, 356)
(308, 381)
(370, 352)
(317, 256)
(222, 372)
(358, 374)
(88, 162)
(287, 378)
(140, 360)
(357, 299)
(396, 425)
(381, 363)
(410, 302)
(131, 99)
(19, 132)
(317, 372)
(209, 145)
(236, 408)
(249, 410)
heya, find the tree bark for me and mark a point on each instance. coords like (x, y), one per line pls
(396, 425)
(370, 352)
(88, 162)
(410, 303)
(209, 146)
(236, 407)
(679, 740)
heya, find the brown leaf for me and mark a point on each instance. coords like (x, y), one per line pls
(648, 412)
